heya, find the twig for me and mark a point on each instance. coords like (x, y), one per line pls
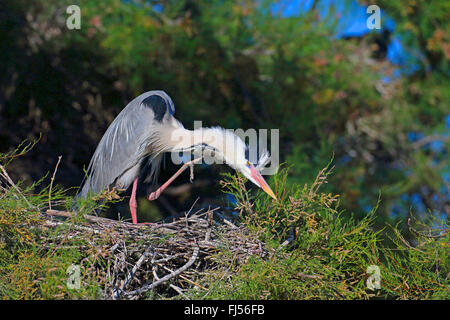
(184, 278)
(168, 258)
(192, 206)
(51, 184)
(174, 287)
(286, 242)
(308, 276)
(94, 219)
(5, 174)
(407, 244)
(178, 289)
(441, 235)
(148, 287)
(133, 271)
(114, 247)
(76, 227)
(226, 221)
(429, 139)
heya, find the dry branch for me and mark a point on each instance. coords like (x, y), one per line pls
(51, 184)
(148, 287)
(5, 176)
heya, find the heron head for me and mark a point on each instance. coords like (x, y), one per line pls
(252, 173)
(234, 152)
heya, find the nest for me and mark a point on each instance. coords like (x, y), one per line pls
(160, 260)
(163, 260)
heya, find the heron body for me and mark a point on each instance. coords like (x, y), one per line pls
(139, 136)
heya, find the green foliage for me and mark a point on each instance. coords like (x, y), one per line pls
(31, 265)
(419, 271)
(319, 253)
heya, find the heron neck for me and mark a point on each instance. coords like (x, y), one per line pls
(184, 139)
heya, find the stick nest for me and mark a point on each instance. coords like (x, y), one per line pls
(160, 260)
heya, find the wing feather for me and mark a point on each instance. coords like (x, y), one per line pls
(124, 145)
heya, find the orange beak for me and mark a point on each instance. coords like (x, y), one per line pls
(261, 182)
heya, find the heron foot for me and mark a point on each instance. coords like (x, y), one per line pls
(154, 195)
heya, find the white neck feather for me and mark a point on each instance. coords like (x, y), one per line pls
(226, 144)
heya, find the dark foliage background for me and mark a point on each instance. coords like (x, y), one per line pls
(238, 64)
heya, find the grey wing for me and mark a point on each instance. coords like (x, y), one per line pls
(124, 144)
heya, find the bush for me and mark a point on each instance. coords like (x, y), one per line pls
(321, 253)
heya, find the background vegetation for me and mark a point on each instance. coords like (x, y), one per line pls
(383, 121)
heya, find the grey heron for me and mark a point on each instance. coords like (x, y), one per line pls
(146, 129)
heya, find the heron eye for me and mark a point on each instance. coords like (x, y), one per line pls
(248, 164)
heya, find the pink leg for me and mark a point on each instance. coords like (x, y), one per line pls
(155, 195)
(133, 202)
